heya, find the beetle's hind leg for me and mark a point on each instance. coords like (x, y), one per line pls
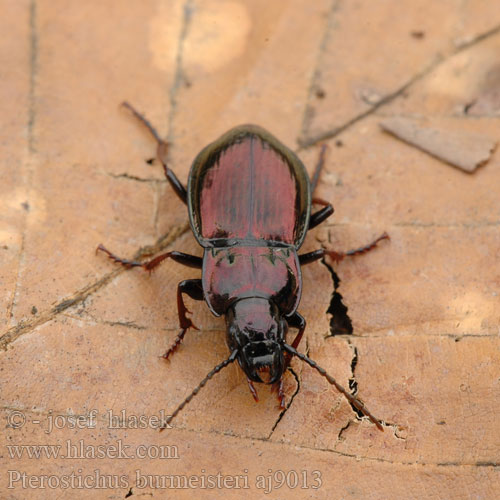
(195, 290)
(161, 154)
(307, 258)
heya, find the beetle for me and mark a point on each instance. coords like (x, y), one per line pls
(249, 200)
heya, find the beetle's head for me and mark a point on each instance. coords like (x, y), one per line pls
(256, 329)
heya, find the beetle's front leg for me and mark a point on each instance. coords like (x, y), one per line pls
(195, 290)
(307, 258)
(296, 320)
(253, 390)
(278, 386)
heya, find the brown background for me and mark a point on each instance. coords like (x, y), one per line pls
(79, 334)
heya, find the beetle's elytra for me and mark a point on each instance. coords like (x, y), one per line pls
(249, 200)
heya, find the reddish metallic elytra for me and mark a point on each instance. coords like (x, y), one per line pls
(248, 186)
(249, 203)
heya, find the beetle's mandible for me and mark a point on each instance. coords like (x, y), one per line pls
(249, 200)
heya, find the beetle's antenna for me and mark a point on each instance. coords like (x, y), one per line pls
(162, 145)
(319, 167)
(210, 374)
(144, 121)
(359, 405)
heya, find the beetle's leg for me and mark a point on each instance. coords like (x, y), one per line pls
(317, 169)
(306, 258)
(176, 184)
(319, 216)
(149, 265)
(296, 320)
(281, 393)
(336, 256)
(253, 390)
(324, 213)
(320, 201)
(195, 290)
(161, 154)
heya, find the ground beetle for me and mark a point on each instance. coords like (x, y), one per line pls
(249, 200)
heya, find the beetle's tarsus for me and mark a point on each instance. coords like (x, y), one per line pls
(278, 386)
(194, 290)
(367, 248)
(335, 256)
(185, 326)
(143, 120)
(307, 258)
(127, 264)
(253, 390)
(177, 342)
